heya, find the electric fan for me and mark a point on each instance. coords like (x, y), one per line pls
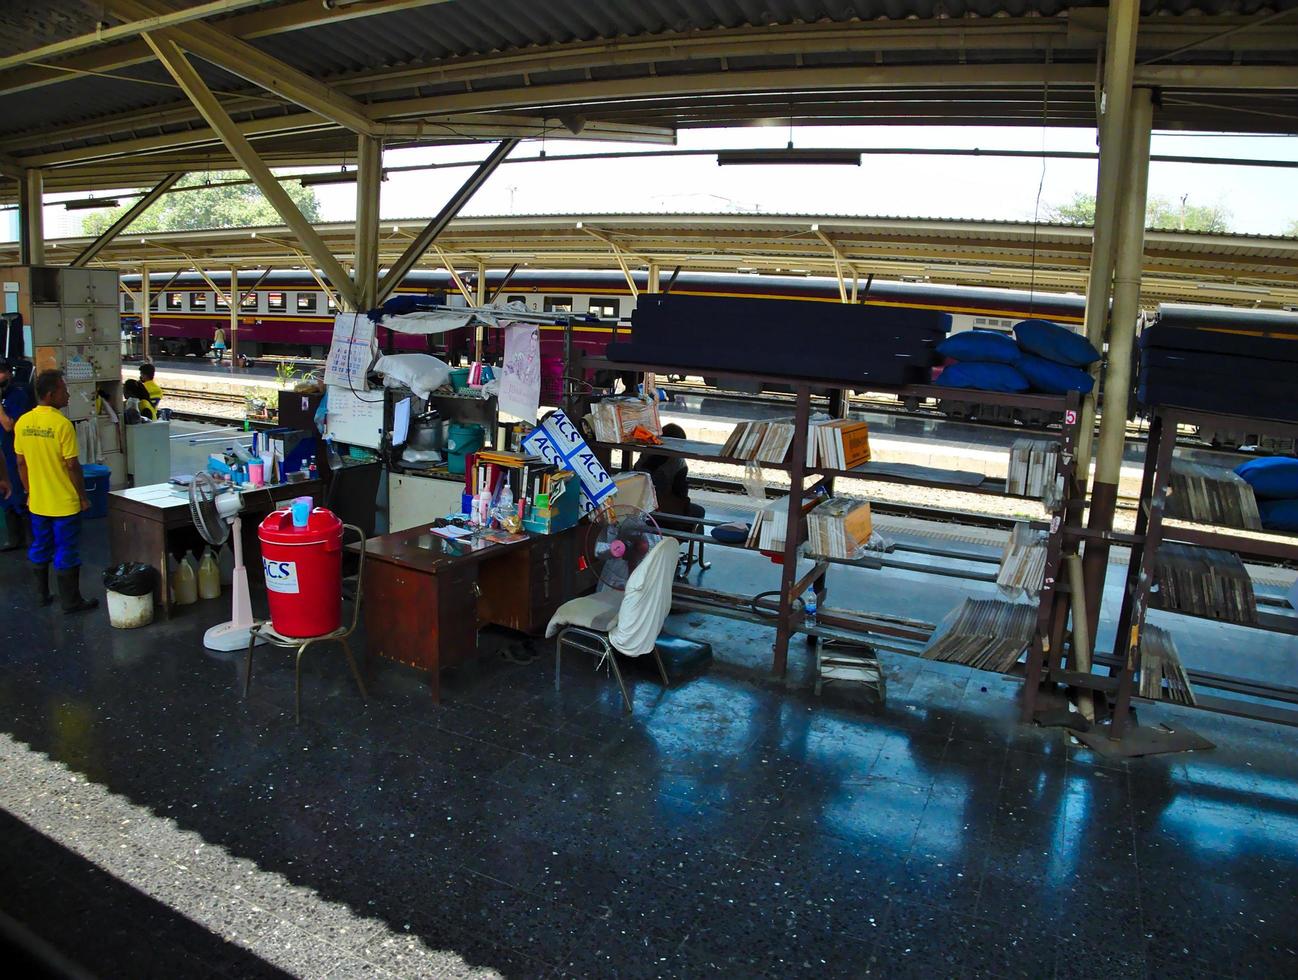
(216, 515)
(618, 540)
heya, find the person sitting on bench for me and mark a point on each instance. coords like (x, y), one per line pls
(671, 480)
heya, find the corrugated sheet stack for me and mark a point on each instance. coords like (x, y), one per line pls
(1204, 582)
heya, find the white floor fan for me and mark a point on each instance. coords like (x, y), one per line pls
(216, 515)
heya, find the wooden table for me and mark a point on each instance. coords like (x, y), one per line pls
(146, 524)
(425, 598)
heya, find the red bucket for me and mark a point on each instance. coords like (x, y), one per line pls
(304, 572)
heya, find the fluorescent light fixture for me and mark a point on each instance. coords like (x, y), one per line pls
(90, 203)
(726, 158)
(1228, 287)
(338, 177)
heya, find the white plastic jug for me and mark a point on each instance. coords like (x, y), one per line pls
(209, 577)
(186, 583)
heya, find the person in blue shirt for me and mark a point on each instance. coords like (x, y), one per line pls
(15, 401)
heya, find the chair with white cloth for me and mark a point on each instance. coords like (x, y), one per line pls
(626, 622)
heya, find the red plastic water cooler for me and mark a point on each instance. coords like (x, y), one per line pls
(304, 572)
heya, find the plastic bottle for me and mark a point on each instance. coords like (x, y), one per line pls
(209, 577)
(482, 514)
(505, 507)
(809, 605)
(186, 583)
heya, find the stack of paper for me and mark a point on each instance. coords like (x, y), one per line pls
(1159, 664)
(763, 442)
(1023, 562)
(1204, 582)
(985, 633)
(767, 532)
(1032, 467)
(839, 528)
(839, 444)
(614, 419)
(1211, 495)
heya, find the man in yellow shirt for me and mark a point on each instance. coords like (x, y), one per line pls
(149, 409)
(46, 446)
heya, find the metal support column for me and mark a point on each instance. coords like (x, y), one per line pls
(31, 236)
(653, 277)
(1122, 335)
(236, 301)
(369, 181)
(480, 293)
(1114, 112)
(146, 311)
(124, 222)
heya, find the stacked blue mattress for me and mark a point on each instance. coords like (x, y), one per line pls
(1236, 362)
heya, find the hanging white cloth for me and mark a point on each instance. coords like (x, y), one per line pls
(647, 601)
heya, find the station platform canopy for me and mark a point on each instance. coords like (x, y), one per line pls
(86, 100)
(1240, 270)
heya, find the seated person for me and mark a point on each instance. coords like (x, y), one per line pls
(153, 392)
(670, 475)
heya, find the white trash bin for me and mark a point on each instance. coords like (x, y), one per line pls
(128, 612)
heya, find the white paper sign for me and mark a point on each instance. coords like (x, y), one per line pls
(352, 351)
(556, 440)
(520, 377)
(281, 576)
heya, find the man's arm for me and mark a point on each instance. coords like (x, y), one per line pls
(73, 466)
(5, 488)
(22, 474)
(7, 422)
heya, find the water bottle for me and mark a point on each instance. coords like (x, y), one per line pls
(809, 604)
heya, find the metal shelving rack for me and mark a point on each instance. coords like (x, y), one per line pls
(788, 618)
(1150, 533)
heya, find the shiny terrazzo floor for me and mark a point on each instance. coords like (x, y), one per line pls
(727, 827)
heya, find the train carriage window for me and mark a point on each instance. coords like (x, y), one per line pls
(222, 302)
(249, 301)
(331, 304)
(276, 302)
(306, 302)
(175, 301)
(604, 307)
(128, 302)
(519, 299)
(558, 304)
(198, 301)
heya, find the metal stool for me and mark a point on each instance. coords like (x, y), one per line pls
(265, 631)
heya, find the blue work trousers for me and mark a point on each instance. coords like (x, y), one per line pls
(57, 539)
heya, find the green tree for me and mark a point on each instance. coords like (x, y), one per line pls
(212, 207)
(1292, 231)
(1159, 213)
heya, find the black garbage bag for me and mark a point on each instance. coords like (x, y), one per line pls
(131, 578)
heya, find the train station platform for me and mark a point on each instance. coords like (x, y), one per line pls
(730, 825)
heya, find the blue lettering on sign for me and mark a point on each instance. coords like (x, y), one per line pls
(281, 576)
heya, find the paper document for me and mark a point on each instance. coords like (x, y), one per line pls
(452, 532)
(400, 421)
(352, 351)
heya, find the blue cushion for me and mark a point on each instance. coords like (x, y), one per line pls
(735, 532)
(1279, 515)
(1053, 378)
(1055, 343)
(983, 375)
(1271, 477)
(980, 345)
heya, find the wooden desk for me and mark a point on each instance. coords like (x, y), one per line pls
(425, 598)
(146, 524)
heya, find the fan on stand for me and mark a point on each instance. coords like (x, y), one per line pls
(216, 515)
(618, 540)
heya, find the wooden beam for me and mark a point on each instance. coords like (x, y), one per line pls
(124, 222)
(188, 79)
(242, 59)
(369, 183)
(132, 28)
(450, 209)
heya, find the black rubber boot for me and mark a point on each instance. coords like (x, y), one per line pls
(70, 592)
(41, 573)
(15, 531)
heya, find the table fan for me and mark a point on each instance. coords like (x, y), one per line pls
(215, 514)
(618, 540)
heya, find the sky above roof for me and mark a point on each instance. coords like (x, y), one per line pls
(1260, 200)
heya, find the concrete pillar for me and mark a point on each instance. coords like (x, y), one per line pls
(31, 236)
(369, 181)
(1122, 335)
(146, 312)
(1114, 119)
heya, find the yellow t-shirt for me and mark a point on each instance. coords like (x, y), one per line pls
(44, 438)
(155, 393)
